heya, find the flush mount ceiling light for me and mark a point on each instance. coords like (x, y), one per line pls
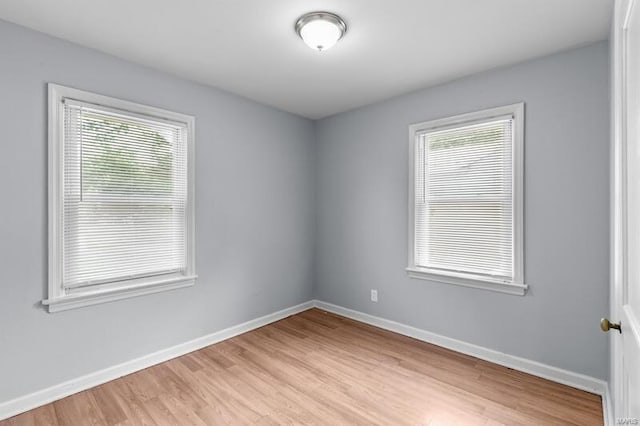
(320, 30)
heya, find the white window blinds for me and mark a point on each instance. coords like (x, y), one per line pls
(464, 198)
(124, 196)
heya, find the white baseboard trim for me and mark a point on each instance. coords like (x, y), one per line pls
(565, 377)
(56, 392)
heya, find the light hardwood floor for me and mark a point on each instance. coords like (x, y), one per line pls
(320, 368)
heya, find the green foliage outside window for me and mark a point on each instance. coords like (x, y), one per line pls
(121, 157)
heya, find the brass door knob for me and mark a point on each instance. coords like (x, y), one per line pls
(607, 325)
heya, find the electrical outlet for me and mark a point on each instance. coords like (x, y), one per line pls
(374, 295)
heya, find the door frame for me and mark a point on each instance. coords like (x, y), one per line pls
(621, 13)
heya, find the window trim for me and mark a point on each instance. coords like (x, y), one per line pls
(60, 299)
(517, 285)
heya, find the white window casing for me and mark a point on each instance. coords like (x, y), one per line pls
(466, 200)
(121, 199)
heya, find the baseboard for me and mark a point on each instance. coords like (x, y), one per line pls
(576, 380)
(54, 393)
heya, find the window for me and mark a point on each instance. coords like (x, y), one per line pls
(121, 197)
(465, 196)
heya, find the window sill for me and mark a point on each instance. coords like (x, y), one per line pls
(79, 300)
(467, 280)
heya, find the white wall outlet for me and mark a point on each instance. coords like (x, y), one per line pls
(374, 295)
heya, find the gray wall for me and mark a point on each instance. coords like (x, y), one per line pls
(361, 240)
(254, 213)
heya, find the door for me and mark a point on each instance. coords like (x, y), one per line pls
(626, 248)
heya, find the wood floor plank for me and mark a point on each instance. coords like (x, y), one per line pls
(319, 368)
(108, 405)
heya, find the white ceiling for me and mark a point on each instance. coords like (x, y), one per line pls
(249, 47)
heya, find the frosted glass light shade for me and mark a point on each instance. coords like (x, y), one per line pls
(320, 30)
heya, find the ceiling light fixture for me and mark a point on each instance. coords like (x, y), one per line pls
(320, 30)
